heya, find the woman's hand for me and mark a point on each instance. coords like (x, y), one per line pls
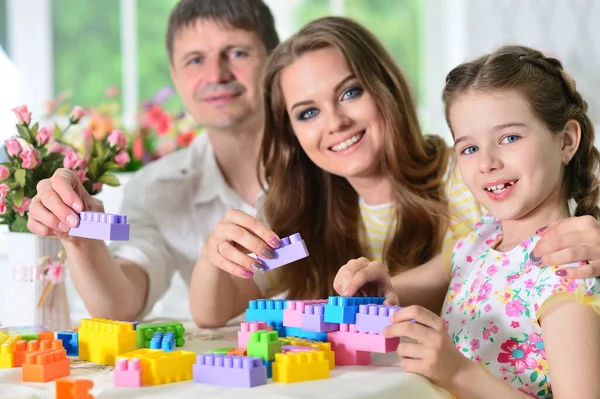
(572, 240)
(233, 238)
(365, 277)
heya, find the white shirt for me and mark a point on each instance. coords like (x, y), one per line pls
(172, 206)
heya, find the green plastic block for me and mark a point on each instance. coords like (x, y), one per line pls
(220, 351)
(144, 332)
(26, 334)
(264, 344)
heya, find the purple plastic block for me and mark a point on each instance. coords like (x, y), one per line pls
(232, 371)
(101, 226)
(374, 318)
(292, 248)
(312, 319)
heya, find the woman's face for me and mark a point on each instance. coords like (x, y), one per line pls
(337, 122)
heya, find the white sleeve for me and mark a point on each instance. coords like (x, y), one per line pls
(146, 246)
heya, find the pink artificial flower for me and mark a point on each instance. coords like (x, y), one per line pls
(112, 91)
(76, 114)
(31, 159)
(71, 160)
(55, 273)
(43, 136)
(23, 115)
(122, 158)
(96, 187)
(138, 149)
(185, 139)
(82, 175)
(117, 139)
(4, 173)
(13, 147)
(2, 207)
(24, 206)
(4, 190)
(56, 147)
(82, 163)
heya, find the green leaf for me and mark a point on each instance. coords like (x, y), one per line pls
(465, 350)
(93, 168)
(54, 157)
(23, 132)
(19, 225)
(534, 376)
(541, 393)
(99, 149)
(111, 166)
(18, 197)
(109, 180)
(57, 133)
(20, 177)
(34, 130)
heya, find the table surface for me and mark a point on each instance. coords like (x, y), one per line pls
(383, 379)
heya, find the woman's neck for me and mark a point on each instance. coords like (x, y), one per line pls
(373, 190)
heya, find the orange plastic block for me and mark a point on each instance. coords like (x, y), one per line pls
(46, 365)
(237, 352)
(101, 340)
(23, 348)
(303, 366)
(71, 388)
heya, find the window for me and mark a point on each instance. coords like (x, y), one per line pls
(87, 51)
(3, 26)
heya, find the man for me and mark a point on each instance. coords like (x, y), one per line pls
(216, 49)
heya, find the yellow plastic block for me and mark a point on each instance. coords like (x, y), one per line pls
(160, 367)
(318, 345)
(301, 366)
(7, 351)
(101, 340)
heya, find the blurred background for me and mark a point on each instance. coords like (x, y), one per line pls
(109, 57)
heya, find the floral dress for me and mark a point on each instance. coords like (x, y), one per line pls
(491, 308)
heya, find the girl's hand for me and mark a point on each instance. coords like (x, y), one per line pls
(367, 278)
(432, 355)
(572, 240)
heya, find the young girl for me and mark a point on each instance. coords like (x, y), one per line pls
(525, 150)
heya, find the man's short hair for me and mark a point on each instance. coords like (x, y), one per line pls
(249, 15)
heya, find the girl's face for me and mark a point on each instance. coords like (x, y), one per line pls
(508, 158)
(337, 122)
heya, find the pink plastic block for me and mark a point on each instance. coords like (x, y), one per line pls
(312, 319)
(246, 329)
(292, 248)
(128, 373)
(345, 356)
(292, 314)
(374, 318)
(233, 371)
(292, 348)
(352, 339)
(101, 226)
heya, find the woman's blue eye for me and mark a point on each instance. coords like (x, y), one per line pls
(510, 139)
(469, 150)
(352, 92)
(308, 114)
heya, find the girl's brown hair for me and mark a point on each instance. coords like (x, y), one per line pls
(324, 207)
(554, 99)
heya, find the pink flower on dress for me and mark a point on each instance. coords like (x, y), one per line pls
(528, 393)
(515, 324)
(456, 287)
(474, 344)
(537, 344)
(484, 291)
(517, 355)
(529, 284)
(488, 308)
(514, 308)
(24, 206)
(469, 259)
(491, 270)
(494, 329)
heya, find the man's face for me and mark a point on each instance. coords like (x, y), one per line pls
(216, 70)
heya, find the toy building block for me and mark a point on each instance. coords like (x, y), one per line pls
(220, 351)
(24, 348)
(292, 314)
(343, 310)
(160, 367)
(233, 371)
(312, 319)
(310, 344)
(268, 310)
(70, 342)
(73, 388)
(246, 329)
(145, 332)
(350, 357)
(295, 348)
(135, 324)
(374, 318)
(264, 344)
(238, 352)
(297, 367)
(127, 373)
(7, 351)
(46, 365)
(28, 333)
(162, 341)
(352, 339)
(269, 365)
(101, 340)
(101, 226)
(300, 333)
(292, 249)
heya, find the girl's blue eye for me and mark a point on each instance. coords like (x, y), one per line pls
(308, 114)
(352, 92)
(509, 139)
(469, 150)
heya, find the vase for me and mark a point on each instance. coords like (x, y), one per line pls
(36, 293)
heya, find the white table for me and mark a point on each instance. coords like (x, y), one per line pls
(383, 379)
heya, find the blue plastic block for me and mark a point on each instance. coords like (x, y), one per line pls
(70, 341)
(280, 328)
(300, 333)
(156, 340)
(268, 310)
(168, 342)
(343, 310)
(269, 365)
